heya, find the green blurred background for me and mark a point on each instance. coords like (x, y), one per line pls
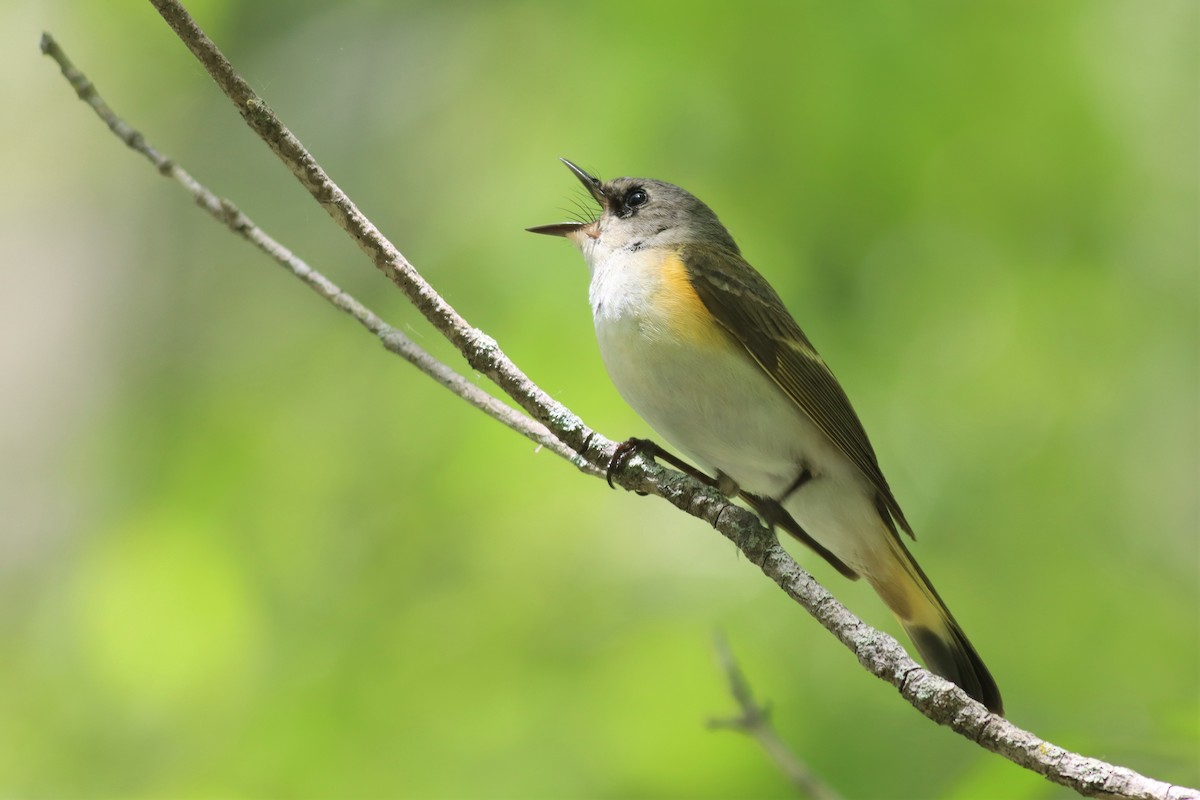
(247, 553)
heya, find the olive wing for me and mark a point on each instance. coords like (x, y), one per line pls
(746, 305)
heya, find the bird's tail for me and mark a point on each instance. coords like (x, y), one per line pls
(942, 644)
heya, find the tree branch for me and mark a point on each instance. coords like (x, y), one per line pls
(230, 216)
(755, 722)
(936, 698)
(478, 348)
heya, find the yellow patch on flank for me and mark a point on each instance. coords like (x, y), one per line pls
(685, 314)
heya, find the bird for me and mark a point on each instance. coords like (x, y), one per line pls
(701, 346)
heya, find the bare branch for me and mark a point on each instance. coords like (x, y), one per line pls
(755, 722)
(478, 348)
(936, 698)
(229, 215)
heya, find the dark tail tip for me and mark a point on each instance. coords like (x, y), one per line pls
(953, 657)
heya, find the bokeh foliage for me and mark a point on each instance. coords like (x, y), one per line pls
(248, 554)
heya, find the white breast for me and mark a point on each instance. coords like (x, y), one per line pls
(712, 402)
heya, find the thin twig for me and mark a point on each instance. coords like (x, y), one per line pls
(936, 698)
(755, 722)
(229, 215)
(480, 350)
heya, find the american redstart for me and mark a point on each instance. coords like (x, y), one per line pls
(701, 346)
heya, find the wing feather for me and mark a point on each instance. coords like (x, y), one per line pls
(747, 306)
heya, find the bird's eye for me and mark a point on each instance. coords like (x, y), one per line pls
(637, 197)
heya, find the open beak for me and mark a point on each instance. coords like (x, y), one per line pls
(593, 185)
(595, 189)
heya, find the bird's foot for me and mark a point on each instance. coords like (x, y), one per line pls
(626, 450)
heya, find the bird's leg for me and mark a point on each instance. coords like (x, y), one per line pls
(771, 511)
(625, 450)
(804, 477)
(774, 515)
